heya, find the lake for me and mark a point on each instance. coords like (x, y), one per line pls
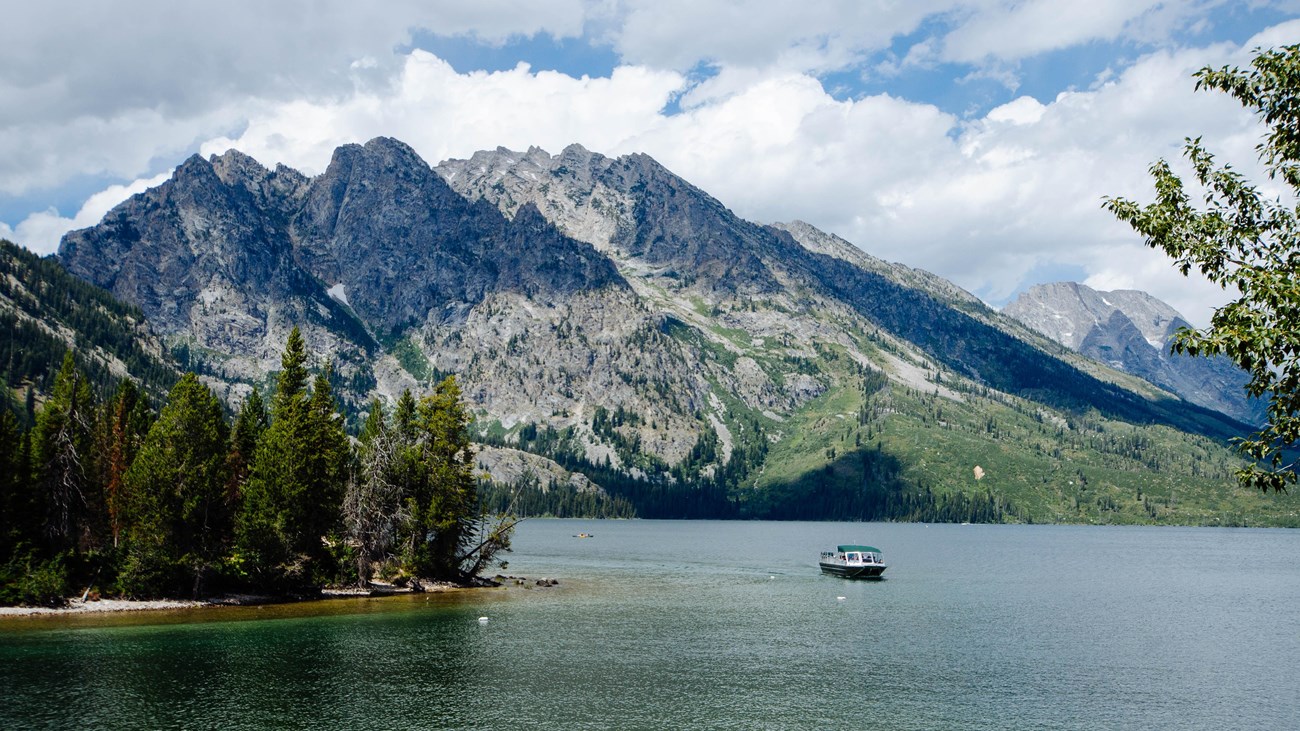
(724, 625)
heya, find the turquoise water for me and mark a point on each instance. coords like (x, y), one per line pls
(666, 625)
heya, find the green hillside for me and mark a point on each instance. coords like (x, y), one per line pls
(45, 311)
(863, 450)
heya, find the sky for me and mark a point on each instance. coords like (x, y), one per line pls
(972, 138)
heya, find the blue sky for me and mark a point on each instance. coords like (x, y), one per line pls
(972, 138)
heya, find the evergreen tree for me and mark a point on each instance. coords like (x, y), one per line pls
(409, 472)
(292, 499)
(373, 508)
(414, 492)
(180, 518)
(61, 450)
(250, 425)
(121, 428)
(327, 471)
(404, 418)
(269, 526)
(446, 518)
(16, 514)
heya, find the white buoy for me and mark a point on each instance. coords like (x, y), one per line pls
(839, 598)
(770, 578)
(482, 620)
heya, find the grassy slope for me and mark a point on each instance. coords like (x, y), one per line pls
(1049, 467)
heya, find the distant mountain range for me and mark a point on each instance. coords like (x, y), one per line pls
(1132, 331)
(609, 317)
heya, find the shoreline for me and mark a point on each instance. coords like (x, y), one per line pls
(75, 606)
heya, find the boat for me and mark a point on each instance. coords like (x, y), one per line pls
(854, 562)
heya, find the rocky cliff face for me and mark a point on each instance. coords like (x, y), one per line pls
(601, 311)
(1132, 331)
(791, 283)
(630, 207)
(229, 256)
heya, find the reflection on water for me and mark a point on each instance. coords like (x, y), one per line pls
(723, 625)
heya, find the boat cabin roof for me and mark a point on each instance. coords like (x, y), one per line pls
(862, 549)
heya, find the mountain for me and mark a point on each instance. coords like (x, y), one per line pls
(1132, 331)
(661, 229)
(613, 318)
(47, 313)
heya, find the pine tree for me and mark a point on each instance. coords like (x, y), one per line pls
(373, 508)
(410, 474)
(270, 524)
(15, 510)
(180, 517)
(329, 455)
(61, 449)
(121, 428)
(404, 418)
(249, 427)
(449, 537)
(292, 499)
(450, 505)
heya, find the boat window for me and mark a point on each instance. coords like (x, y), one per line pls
(852, 557)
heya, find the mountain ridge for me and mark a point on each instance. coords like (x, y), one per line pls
(1132, 331)
(606, 314)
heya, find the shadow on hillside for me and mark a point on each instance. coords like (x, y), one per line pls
(868, 484)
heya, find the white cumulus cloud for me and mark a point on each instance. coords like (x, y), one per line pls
(989, 201)
(42, 231)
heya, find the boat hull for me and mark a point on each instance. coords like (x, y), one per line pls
(869, 571)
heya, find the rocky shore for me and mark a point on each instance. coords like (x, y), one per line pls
(77, 605)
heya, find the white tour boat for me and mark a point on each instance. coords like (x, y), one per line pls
(854, 562)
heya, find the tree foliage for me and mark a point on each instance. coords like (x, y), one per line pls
(413, 504)
(109, 496)
(180, 516)
(38, 289)
(294, 489)
(61, 448)
(247, 432)
(374, 511)
(1244, 240)
(120, 432)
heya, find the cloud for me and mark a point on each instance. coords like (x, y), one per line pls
(988, 202)
(1022, 110)
(772, 34)
(121, 90)
(42, 231)
(443, 114)
(1012, 31)
(985, 202)
(90, 89)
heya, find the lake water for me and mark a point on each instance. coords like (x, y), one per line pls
(726, 625)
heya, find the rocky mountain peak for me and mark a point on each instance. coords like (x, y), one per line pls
(1067, 311)
(1132, 331)
(194, 171)
(630, 207)
(1155, 319)
(232, 254)
(1063, 311)
(234, 167)
(601, 310)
